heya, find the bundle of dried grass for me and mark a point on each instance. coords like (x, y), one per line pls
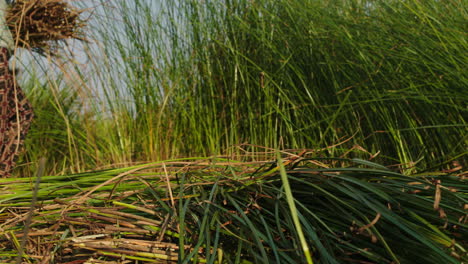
(42, 24)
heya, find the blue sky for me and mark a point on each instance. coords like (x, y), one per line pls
(102, 15)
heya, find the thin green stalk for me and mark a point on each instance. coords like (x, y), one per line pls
(293, 209)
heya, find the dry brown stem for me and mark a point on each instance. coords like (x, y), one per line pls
(42, 24)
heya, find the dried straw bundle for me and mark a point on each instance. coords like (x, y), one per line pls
(42, 24)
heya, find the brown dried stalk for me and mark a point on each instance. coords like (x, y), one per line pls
(42, 24)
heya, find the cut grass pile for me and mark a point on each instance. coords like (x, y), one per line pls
(219, 210)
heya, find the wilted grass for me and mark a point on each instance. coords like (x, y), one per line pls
(219, 210)
(171, 79)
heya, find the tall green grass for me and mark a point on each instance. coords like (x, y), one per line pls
(178, 78)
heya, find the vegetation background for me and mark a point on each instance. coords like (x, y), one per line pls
(164, 79)
(379, 80)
